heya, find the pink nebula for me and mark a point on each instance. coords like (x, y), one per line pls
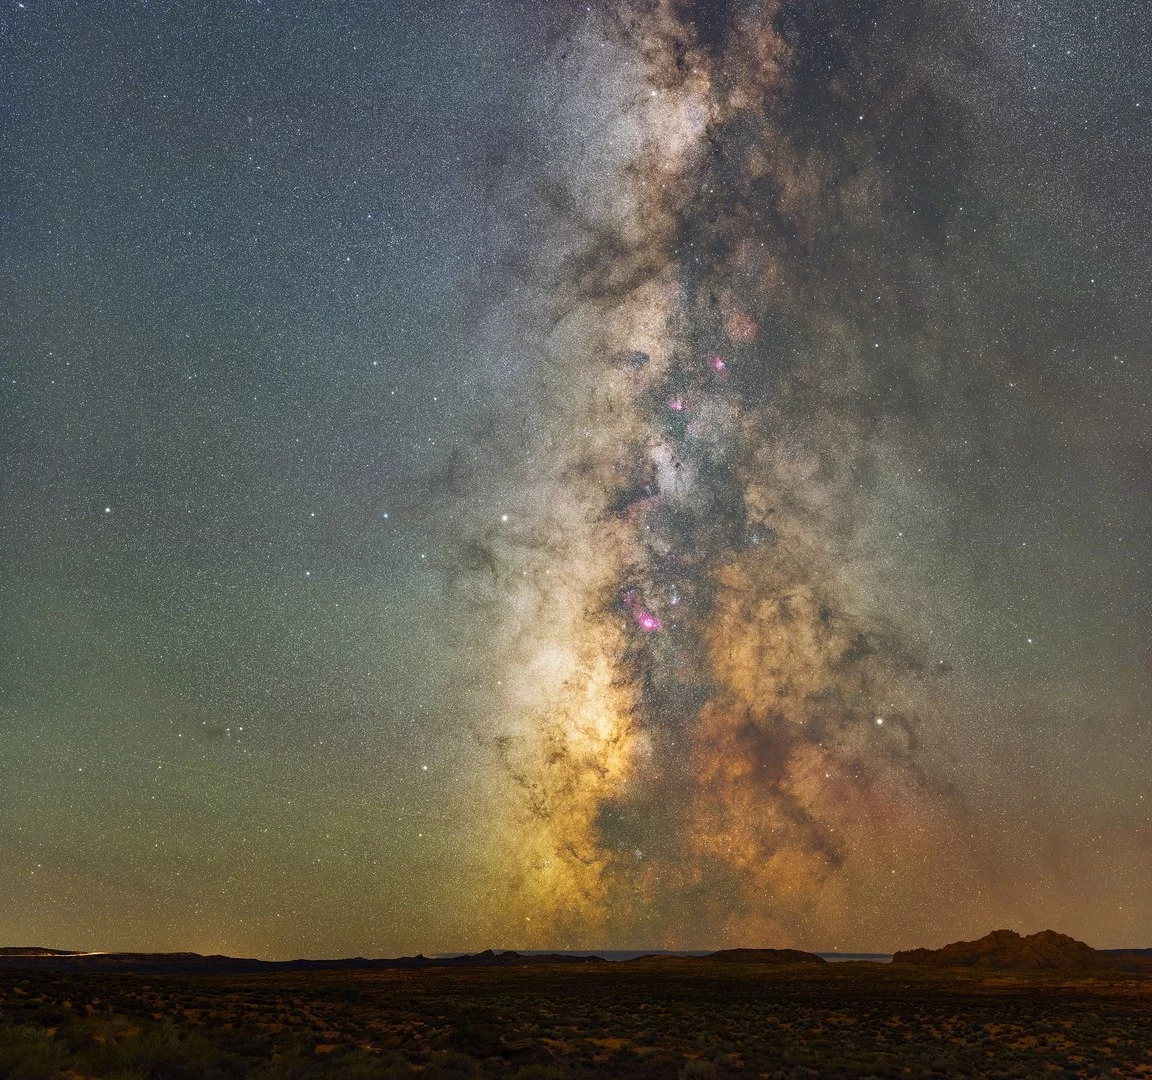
(718, 363)
(676, 404)
(646, 620)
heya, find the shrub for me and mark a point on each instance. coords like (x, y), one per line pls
(29, 1053)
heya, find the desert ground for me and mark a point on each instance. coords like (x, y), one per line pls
(652, 1018)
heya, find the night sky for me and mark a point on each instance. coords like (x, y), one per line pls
(639, 474)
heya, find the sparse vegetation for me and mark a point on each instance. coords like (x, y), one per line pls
(663, 1019)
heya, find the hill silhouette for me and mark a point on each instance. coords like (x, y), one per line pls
(41, 959)
(1044, 951)
(766, 956)
(999, 950)
(61, 960)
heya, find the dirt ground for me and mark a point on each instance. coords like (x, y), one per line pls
(665, 1018)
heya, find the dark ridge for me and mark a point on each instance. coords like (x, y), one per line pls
(766, 956)
(1045, 951)
(35, 950)
(189, 963)
(775, 957)
(1000, 950)
(194, 963)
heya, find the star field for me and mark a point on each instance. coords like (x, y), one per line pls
(625, 475)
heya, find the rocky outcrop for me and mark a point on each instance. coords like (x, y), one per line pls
(766, 956)
(1007, 950)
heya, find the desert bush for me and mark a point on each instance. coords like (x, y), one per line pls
(540, 1071)
(477, 1038)
(243, 1042)
(29, 1053)
(696, 1069)
(292, 1066)
(360, 1066)
(164, 1052)
(451, 1063)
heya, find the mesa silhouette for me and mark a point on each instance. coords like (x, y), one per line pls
(1044, 951)
(999, 950)
(180, 963)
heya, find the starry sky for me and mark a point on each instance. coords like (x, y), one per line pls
(658, 473)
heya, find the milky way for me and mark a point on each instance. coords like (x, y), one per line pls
(717, 726)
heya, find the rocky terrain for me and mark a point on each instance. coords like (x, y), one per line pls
(667, 1018)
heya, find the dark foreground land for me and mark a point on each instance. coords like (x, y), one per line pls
(654, 1018)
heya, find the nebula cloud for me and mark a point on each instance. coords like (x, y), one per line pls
(711, 727)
